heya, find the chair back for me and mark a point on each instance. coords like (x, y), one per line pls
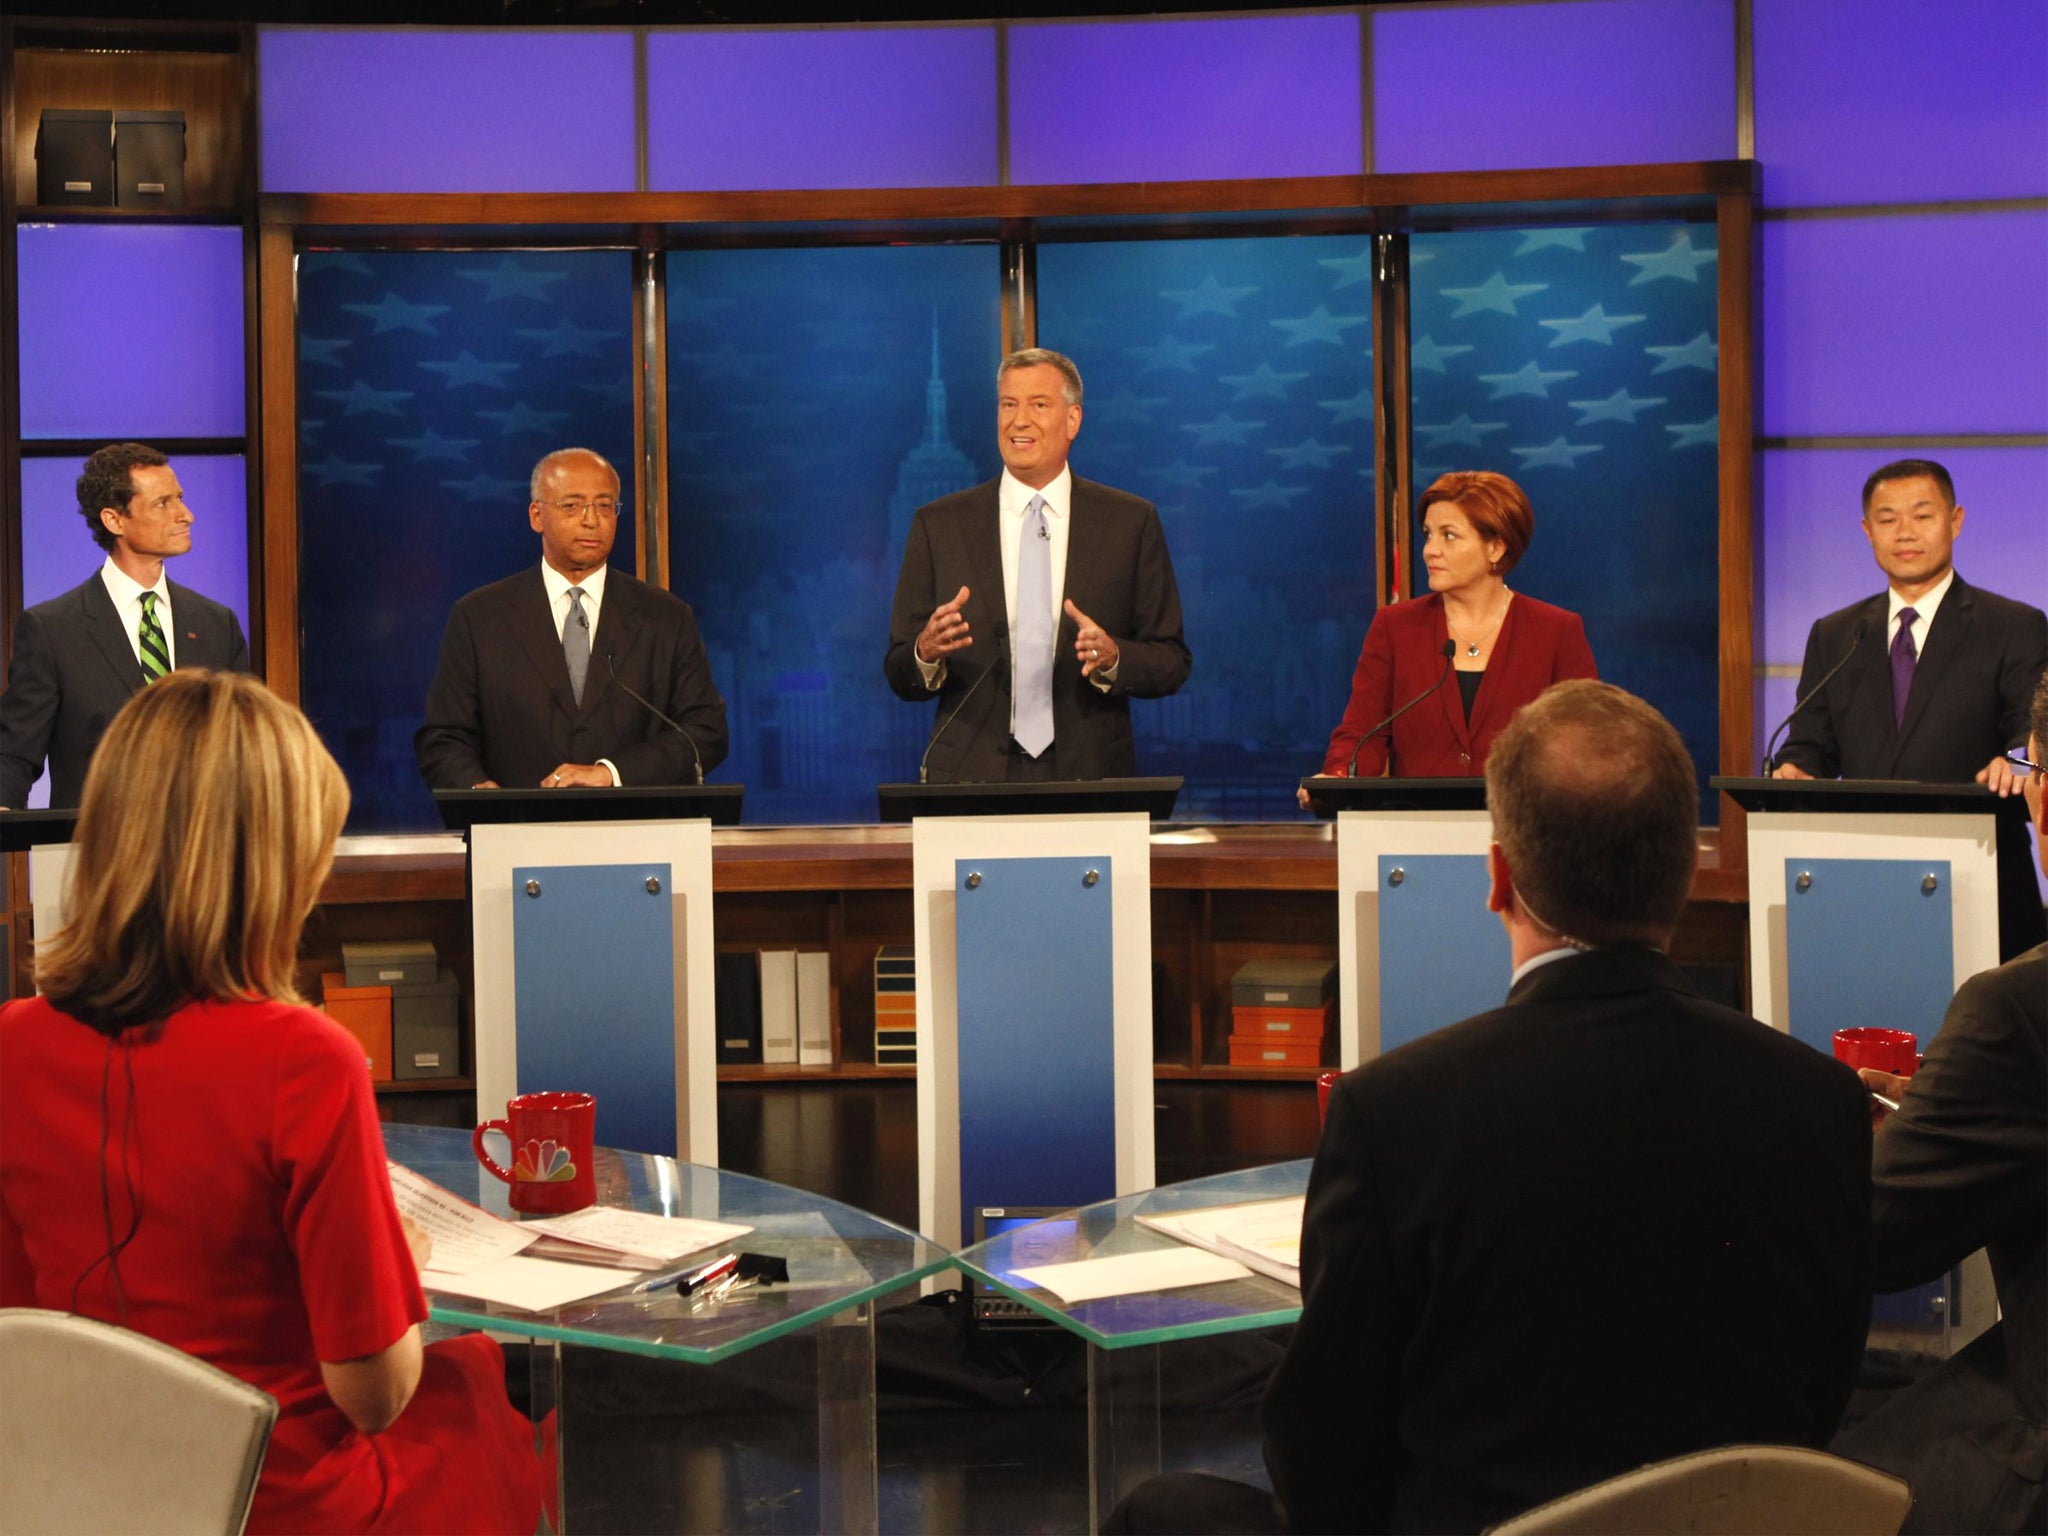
(1737, 1490)
(103, 1429)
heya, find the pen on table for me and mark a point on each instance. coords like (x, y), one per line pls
(686, 1280)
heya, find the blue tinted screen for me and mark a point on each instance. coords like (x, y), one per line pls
(429, 385)
(1230, 382)
(1584, 364)
(817, 398)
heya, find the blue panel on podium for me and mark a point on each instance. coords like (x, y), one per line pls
(1036, 1039)
(595, 993)
(1868, 943)
(1443, 956)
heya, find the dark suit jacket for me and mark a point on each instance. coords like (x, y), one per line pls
(1964, 1165)
(1118, 573)
(1607, 1223)
(1974, 683)
(1978, 664)
(1403, 654)
(73, 669)
(500, 707)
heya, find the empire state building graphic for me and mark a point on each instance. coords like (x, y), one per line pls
(933, 468)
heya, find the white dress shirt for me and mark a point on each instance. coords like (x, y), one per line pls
(1923, 612)
(127, 592)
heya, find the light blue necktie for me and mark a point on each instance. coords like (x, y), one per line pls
(1032, 647)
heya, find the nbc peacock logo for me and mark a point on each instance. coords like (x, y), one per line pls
(543, 1162)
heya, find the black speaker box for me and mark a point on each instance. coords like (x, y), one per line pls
(149, 159)
(75, 159)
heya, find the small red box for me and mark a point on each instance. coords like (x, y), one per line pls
(1262, 1022)
(364, 1012)
(1280, 1052)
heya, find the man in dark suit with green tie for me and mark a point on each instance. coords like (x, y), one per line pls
(79, 657)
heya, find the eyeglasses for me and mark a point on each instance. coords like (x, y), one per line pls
(2019, 759)
(576, 506)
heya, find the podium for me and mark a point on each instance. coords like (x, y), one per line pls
(1033, 932)
(45, 836)
(1416, 947)
(1870, 901)
(590, 914)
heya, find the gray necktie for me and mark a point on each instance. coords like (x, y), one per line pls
(576, 642)
(1033, 647)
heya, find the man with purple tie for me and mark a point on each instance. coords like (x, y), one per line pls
(1931, 679)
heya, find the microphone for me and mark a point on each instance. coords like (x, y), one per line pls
(696, 757)
(950, 719)
(1771, 746)
(1450, 649)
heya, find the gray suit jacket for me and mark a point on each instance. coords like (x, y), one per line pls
(73, 669)
(1118, 573)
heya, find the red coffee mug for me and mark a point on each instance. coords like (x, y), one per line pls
(1325, 1081)
(1896, 1051)
(552, 1146)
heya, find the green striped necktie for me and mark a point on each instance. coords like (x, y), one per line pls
(156, 655)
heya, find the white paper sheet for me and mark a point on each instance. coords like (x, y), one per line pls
(466, 1237)
(532, 1285)
(639, 1234)
(1131, 1274)
(1265, 1234)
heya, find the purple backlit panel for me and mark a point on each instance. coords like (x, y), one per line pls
(419, 111)
(1593, 82)
(1892, 101)
(1185, 100)
(1815, 558)
(130, 331)
(732, 111)
(1903, 325)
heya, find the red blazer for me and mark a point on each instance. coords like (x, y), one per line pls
(1538, 645)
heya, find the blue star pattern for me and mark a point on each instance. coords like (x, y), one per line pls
(1561, 397)
(431, 382)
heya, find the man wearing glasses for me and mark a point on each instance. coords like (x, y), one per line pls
(1929, 680)
(570, 673)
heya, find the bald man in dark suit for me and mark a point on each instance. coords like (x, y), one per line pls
(539, 672)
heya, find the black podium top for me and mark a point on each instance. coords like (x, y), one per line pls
(1327, 795)
(23, 830)
(1899, 797)
(462, 809)
(1062, 797)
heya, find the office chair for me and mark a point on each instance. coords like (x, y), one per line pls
(1737, 1490)
(102, 1429)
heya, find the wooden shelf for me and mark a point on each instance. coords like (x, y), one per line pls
(68, 213)
(843, 1072)
(428, 1085)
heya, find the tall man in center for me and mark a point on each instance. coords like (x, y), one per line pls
(1034, 608)
(571, 674)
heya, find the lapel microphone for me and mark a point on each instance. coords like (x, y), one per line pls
(1450, 649)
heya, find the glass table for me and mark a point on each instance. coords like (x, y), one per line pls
(841, 1260)
(1125, 1333)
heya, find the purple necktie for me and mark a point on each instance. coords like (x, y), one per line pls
(1903, 659)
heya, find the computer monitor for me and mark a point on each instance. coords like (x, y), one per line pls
(992, 1308)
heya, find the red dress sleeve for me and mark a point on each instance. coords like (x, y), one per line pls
(1372, 700)
(356, 1275)
(1574, 651)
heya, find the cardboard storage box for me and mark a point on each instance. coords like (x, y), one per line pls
(1257, 1052)
(1274, 1023)
(75, 159)
(1284, 983)
(149, 159)
(426, 1028)
(364, 1012)
(399, 962)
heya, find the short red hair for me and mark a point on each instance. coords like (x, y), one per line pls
(1497, 507)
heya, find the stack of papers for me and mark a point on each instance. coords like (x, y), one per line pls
(1264, 1234)
(547, 1263)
